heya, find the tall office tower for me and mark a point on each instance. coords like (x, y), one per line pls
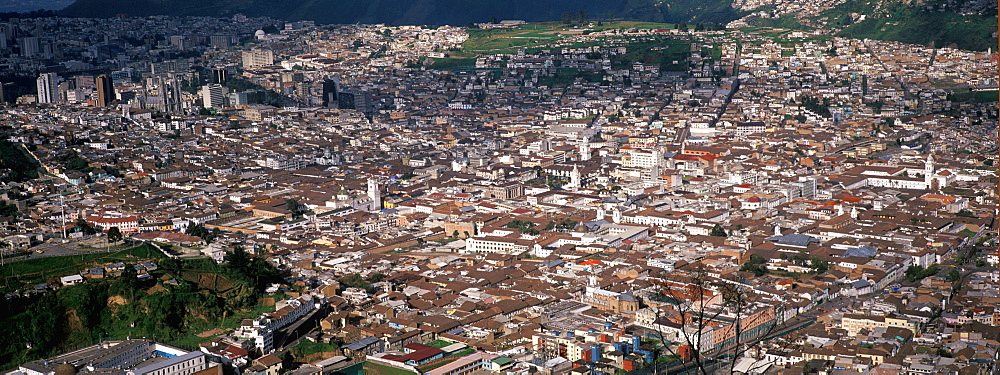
(257, 58)
(330, 89)
(105, 90)
(3, 89)
(219, 76)
(213, 96)
(30, 46)
(48, 88)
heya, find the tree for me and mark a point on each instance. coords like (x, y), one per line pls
(114, 234)
(85, 227)
(953, 275)
(697, 307)
(717, 231)
(756, 264)
(294, 207)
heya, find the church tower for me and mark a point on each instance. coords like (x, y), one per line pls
(374, 194)
(575, 179)
(585, 150)
(929, 171)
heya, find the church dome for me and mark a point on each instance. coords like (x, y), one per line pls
(65, 369)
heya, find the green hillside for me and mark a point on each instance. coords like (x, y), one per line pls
(182, 298)
(967, 25)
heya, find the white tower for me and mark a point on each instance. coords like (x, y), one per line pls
(575, 180)
(929, 170)
(48, 88)
(585, 150)
(374, 194)
(616, 215)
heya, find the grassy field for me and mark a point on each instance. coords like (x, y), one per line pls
(377, 369)
(565, 77)
(663, 52)
(976, 96)
(35, 271)
(453, 64)
(307, 348)
(538, 35)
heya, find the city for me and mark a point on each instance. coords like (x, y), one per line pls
(245, 195)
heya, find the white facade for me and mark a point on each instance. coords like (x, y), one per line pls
(48, 88)
(213, 96)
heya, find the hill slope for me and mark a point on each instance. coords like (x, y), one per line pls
(965, 24)
(416, 12)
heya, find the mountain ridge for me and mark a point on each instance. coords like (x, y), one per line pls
(420, 12)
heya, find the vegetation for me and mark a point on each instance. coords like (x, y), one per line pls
(756, 264)
(453, 63)
(355, 280)
(668, 53)
(121, 306)
(15, 163)
(199, 230)
(526, 227)
(434, 12)
(717, 231)
(934, 23)
(916, 273)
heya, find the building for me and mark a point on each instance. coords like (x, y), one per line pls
(331, 87)
(261, 329)
(219, 76)
(30, 46)
(213, 96)
(130, 357)
(105, 90)
(48, 88)
(257, 58)
(356, 100)
(375, 195)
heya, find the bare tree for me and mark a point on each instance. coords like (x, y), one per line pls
(708, 306)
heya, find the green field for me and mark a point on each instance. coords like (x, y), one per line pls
(537, 35)
(976, 96)
(565, 77)
(29, 272)
(453, 64)
(662, 51)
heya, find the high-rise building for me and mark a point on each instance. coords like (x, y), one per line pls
(30, 46)
(105, 90)
(220, 41)
(330, 89)
(48, 88)
(356, 100)
(213, 96)
(219, 75)
(4, 93)
(257, 58)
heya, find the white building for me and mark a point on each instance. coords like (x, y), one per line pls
(213, 96)
(48, 88)
(257, 58)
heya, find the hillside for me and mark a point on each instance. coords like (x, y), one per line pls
(968, 24)
(181, 300)
(416, 12)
